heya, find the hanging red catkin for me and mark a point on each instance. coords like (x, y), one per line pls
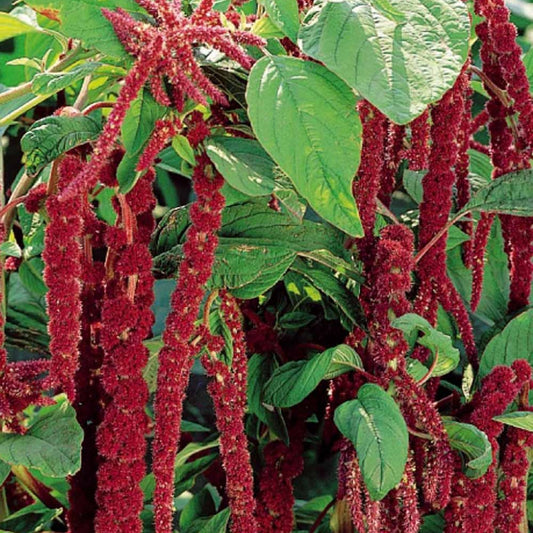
(126, 322)
(228, 391)
(62, 256)
(435, 208)
(366, 186)
(282, 464)
(418, 154)
(391, 160)
(90, 396)
(512, 487)
(176, 357)
(350, 484)
(473, 503)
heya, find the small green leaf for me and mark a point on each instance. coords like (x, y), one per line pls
(284, 13)
(320, 151)
(243, 163)
(10, 248)
(183, 148)
(53, 82)
(473, 444)
(52, 136)
(400, 55)
(52, 443)
(294, 381)
(260, 369)
(513, 343)
(412, 181)
(440, 344)
(517, 419)
(5, 470)
(266, 28)
(31, 275)
(344, 359)
(295, 320)
(375, 426)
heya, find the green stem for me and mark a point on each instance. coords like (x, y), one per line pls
(16, 92)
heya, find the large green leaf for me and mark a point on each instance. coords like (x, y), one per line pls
(52, 136)
(375, 426)
(52, 443)
(401, 56)
(511, 194)
(243, 163)
(17, 22)
(440, 344)
(305, 118)
(218, 523)
(514, 342)
(284, 13)
(473, 444)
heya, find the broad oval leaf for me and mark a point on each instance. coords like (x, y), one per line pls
(52, 443)
(375, 426)
(511, 194)
(52, 136)
(401, 56)
(284, 14)
(514, 342)
(320, 151)
(517, 419)
(243, 163)
(440, 344)
(294, 381)
(473, 444)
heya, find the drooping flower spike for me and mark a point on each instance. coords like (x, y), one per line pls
(177, 356)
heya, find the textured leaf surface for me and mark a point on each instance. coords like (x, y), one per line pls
(511, 194)
(52, 136)
(473, 444)
(400, 55)
(304, 116)
(53, 82)
(514, 342)
(517, 419)
(284, 14)
(52, 443)
(375, 426)
(243, 163)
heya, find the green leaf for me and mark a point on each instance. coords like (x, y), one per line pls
(17, 22)
(200, 505)
(344, 359)
(266, 28)
(52, 443)
(243, 163)
(511, 194)
(52, 136)
(375, 426)
(5, 470)
(517, 419)
(260, 368)
(10, 248)
(295, 320)
(514, 342)
(473, 444)
(440, 344)
(31, 275)
(412, 181)
(137, 128)
(183, 148)
(284, 14)
(320, 151)
(400, 55)
(83, 19)
(53, 82)
(294, 381)
(218, 523)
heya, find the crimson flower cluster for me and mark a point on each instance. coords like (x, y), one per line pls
(62, 256)
(228, 391)
(176, 357)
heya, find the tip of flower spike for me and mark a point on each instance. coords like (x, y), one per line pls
(522, 370)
